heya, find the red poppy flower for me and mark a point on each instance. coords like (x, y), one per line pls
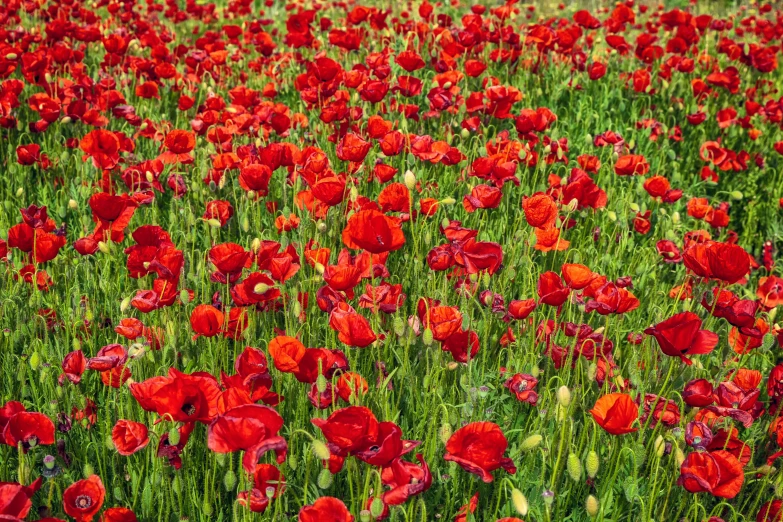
(521, 309)
(229, 260)
(325, 509)
(540, 210)
(73, 366)
(681, 335)
(118, 514)
(265, 479)
(353, 148)
(716, 472)
(349, 429)
(129, 437)
(30, 429)
(551, 290)
(83, 499)
(179, 397)
(616, 413)
(631, 165)
(179, 144)
(523, 387)
(206, 321)
(15, 499)
(251, 428)
(103, 147)
(714, 260)
(405, 479)
(478, 448)
(353, 329)
(698, 393)
(373, 231)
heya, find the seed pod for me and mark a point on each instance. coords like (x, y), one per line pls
(591, 506)
(364, 515)
(564, 396)
(592, 464)
(531, 442)
(519, 501)
(574, 467)
(324, 479)
(230, 480)
(320, 450)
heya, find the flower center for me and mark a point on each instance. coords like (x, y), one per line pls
(83, 501)
(188, 409)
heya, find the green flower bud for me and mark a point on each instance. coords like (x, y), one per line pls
(426, 337)
(445, 432)
(531, 442)
(174, 436)
(324, 479)
(376, 507)
(592, 464)
(230, 480)
(564, 396)
(88, 470)
(519, 501)
(591, 506)
(574, 467)
(320, 450)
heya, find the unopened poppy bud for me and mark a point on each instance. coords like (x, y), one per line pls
(410, 179)
(261, 288)
(634, 207)
(448, 201)
(319, 268)
(376, 507)
(321, 383)
(548, 149)
(124, 304)
(574, 467)
(399, 326)
(591, 505)
(230, 480)
(660, 446)
(88, 470)
(766, 469)
(592, 464)
(292, 462)
(535, 371)
(174, 436)
(206, 507)
(444, 433)
(324, 479)
(531, 442)
(72, 204)
(564, 396)
(679, 456)
(35, 360)
(320, 450)
(11, 56)
(519, 501)
(245, 224)
(354, 193)
(214, 222)
(453, 365)
(19, 192)
(321, 226)
(572, 205)
(426, 337)
(464, 134)
(104, 247)
(612, 215)
(736, 195)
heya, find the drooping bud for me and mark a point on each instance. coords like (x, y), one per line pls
(564, 396)
(531, 442)
(174, 436)
(426, 337)
(591, 506)
(444, 433)
(320, 450)
(324, 479)
(376, 507)
(519, 501)
(410, 179)
(592, 464)
(574, 467)
(230, 480)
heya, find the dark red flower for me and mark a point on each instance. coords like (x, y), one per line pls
(681, 335)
